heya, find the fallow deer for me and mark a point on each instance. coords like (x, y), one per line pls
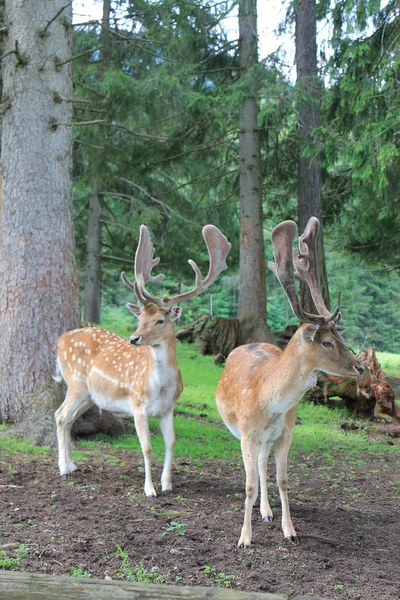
(138, 377)
(261, 385)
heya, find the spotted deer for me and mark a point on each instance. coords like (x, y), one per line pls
(138, 377)
(261, 385)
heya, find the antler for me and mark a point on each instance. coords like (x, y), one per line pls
(144, 263)
(306, 264)
(282, 237)
(218, 249)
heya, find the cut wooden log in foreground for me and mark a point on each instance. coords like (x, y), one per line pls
(32, 586)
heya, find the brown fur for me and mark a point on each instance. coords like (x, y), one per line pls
(257, 395)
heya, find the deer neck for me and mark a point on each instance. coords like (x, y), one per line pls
(296, 376)
(163, 359)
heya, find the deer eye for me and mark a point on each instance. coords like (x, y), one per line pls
(160, 322)
(327, 344)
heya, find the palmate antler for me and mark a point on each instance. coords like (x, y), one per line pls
(218, 249)
(282, 237)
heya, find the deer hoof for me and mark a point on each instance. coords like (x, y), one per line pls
(268, 519)
(292, 539)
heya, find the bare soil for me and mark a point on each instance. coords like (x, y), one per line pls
(346, 514)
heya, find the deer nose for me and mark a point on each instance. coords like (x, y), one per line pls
(359, 369)
(135, 340)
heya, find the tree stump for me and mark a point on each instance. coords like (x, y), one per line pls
(211, 335)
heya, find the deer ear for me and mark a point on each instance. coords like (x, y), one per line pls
(175, 313)
(340, 328)
(135, 309)
(309, 332)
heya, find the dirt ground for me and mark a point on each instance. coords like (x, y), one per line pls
(346, 515)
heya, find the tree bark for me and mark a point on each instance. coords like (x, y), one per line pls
(38, 280)
(92, 298)
(309, 171)
(252, 308)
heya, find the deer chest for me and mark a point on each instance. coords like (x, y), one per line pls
(162, 394)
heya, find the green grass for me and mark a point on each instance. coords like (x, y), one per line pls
(390, 363)
(200, 433)
(206, 437)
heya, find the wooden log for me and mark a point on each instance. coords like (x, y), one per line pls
(32, 586)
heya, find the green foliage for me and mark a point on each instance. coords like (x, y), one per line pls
(221, 579)
(8, 562)
(138, 572)
(361, 127)
(175, 527)
(80, 573)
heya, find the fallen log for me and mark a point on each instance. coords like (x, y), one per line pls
(369, 393)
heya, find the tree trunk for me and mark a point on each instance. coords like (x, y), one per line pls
(252, 308)
(309, 172)
(92, 300)
(38, 281)
(92, 293)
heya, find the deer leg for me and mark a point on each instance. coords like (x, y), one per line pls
(77, 402)
(265, 508)
(282, 445)
(143, 432)
(250, 452)
(167, 430)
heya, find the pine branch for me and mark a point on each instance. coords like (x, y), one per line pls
(59, 63)
(43, 31)
(167, 209)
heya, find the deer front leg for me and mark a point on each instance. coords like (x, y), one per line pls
(266, 512)
(142, 430)
(282, 445)
(167, 430)
(250, 452)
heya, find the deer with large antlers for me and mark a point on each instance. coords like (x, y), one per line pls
(138, 377)
(261, 385)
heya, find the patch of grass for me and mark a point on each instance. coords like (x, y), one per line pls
(9, 562)
(390, 363)
(221, 579)
(175, 526)
(138, 572)
(80, 573)
(12, 445)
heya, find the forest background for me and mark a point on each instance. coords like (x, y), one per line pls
(157, 94)
(157, 100)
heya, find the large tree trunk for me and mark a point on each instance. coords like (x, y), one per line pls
(92, 292)
(38, 282)
(309, 172)
(252, 309)
(92, 299)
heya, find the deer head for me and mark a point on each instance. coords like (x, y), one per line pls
(156, 316)
(321, 332)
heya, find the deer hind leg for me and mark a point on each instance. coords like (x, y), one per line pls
(143, 432)
(282, 446)
(250, 452)
(266, 512)
(167, 430)
(77, 402)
